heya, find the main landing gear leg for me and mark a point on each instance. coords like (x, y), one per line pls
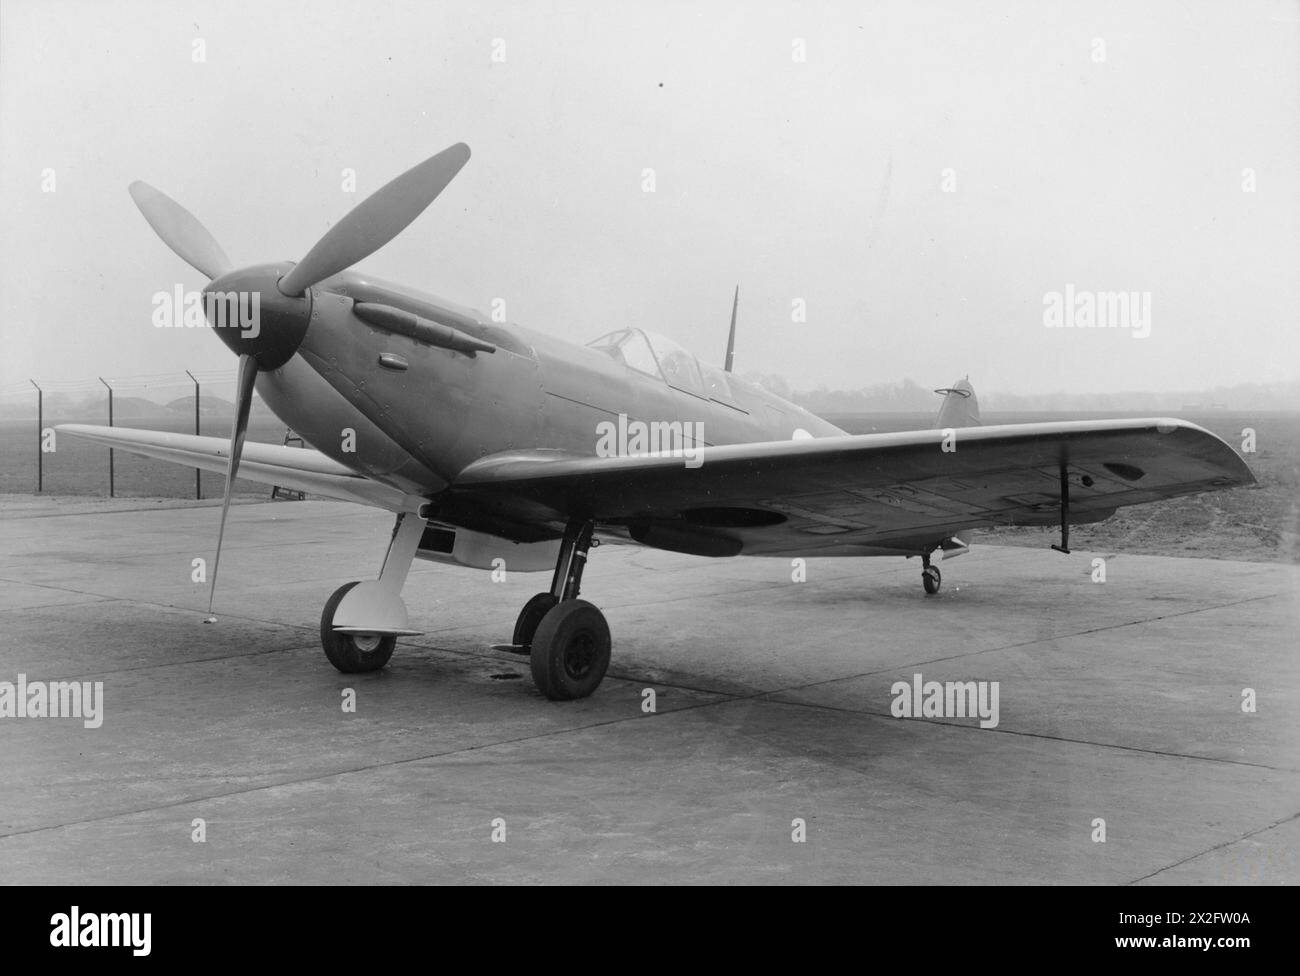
(567, 639)
(931, 578)
(361, 621)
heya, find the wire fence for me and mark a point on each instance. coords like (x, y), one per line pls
(38, 459)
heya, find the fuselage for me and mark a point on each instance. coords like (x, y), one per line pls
(413, 415)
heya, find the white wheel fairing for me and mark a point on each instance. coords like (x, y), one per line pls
(371, 609)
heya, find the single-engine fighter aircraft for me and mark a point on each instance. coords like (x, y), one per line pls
(490, 441)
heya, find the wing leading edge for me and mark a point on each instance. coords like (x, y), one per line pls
(290, 467)
(851, 495)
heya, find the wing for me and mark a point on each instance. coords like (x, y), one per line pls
(851, 495)
(289, 467)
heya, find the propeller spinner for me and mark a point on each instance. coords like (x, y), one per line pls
(283, 291)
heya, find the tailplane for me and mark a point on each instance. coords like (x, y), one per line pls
(960, 406)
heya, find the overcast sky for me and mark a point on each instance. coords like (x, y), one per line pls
(1098, 144)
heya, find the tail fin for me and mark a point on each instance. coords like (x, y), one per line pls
(960, 406)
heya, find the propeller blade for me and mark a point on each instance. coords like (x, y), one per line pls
(376, 220)
(243, 404)
(180, 230)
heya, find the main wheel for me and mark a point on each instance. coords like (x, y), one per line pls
(931, 579)
(529, 619)
(570, 651)
(352, 653)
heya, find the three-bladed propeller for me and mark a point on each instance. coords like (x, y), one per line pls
(285, 298)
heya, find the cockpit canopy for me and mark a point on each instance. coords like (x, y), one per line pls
(658, 356)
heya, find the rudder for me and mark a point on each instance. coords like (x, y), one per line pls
(961, 408)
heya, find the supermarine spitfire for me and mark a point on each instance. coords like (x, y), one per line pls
(489, 441)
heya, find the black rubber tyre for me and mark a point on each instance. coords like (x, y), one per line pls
(529, 619)
(570, 651)
(931, 579)
(352, 653)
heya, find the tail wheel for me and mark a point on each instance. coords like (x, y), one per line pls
(352, 653)
(529, 619)
(570, 651)
(931, 579)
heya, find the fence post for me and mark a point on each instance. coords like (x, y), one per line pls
(198, 472)
(110, 423)
(40, 434)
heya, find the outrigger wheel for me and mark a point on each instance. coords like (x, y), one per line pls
(570, 650)
(352, 653)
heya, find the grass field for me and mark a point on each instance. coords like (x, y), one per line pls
(1261, 523)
